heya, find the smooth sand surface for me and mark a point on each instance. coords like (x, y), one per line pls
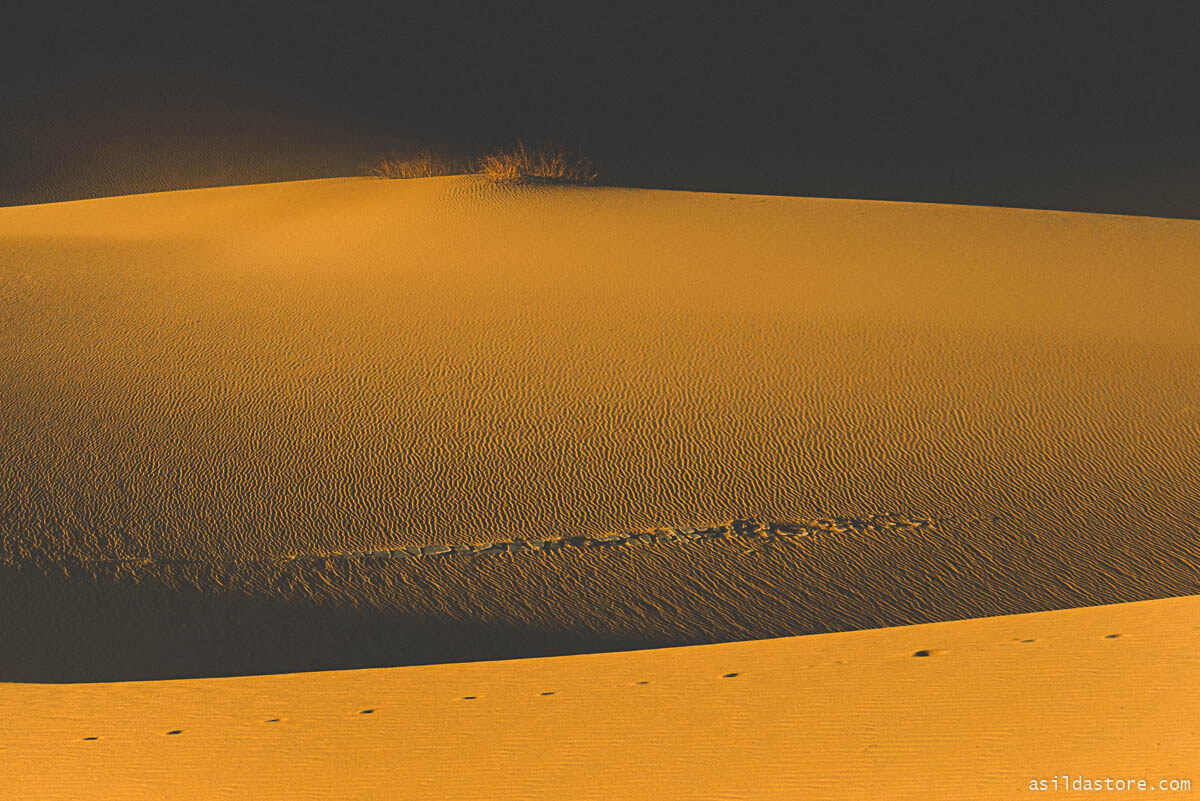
(972, 411)
(1095, 693)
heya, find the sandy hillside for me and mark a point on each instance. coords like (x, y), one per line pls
(879, 413)
(1095, 693)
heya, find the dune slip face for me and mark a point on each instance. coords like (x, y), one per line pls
(218, 408)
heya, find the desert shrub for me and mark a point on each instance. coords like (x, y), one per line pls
(540, 163)
(521, 163)
(415, 164)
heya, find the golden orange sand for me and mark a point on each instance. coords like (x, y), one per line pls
(212, 401)
(348, 364)
(983, 411)
(1101, 692)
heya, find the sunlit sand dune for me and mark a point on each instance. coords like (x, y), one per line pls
(912, 412)
(973, 709)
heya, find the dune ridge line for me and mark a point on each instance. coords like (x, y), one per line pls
(747, 529)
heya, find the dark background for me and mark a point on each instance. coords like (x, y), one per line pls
(1090, 107)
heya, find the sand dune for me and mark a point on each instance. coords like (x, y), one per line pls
(357, 423)
(1097, 693)
(216, 402)
(336, 365)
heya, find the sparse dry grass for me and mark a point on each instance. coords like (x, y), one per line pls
(415, 164)
(521, 163)
(541, 163)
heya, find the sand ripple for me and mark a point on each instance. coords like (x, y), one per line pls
(249, 374)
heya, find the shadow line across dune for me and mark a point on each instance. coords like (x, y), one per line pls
(141, 620)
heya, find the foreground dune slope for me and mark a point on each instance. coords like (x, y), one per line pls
(1095, 693)
(964, 411)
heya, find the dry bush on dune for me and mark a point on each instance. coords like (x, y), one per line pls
(521, 163)
(543, 162)
(415, 164)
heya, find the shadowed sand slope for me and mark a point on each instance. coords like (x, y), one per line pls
(204, 390)
(989, 706)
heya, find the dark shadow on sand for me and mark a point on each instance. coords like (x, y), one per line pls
(91, 629)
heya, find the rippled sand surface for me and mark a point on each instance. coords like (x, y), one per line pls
(973, 709)
(204, 390)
